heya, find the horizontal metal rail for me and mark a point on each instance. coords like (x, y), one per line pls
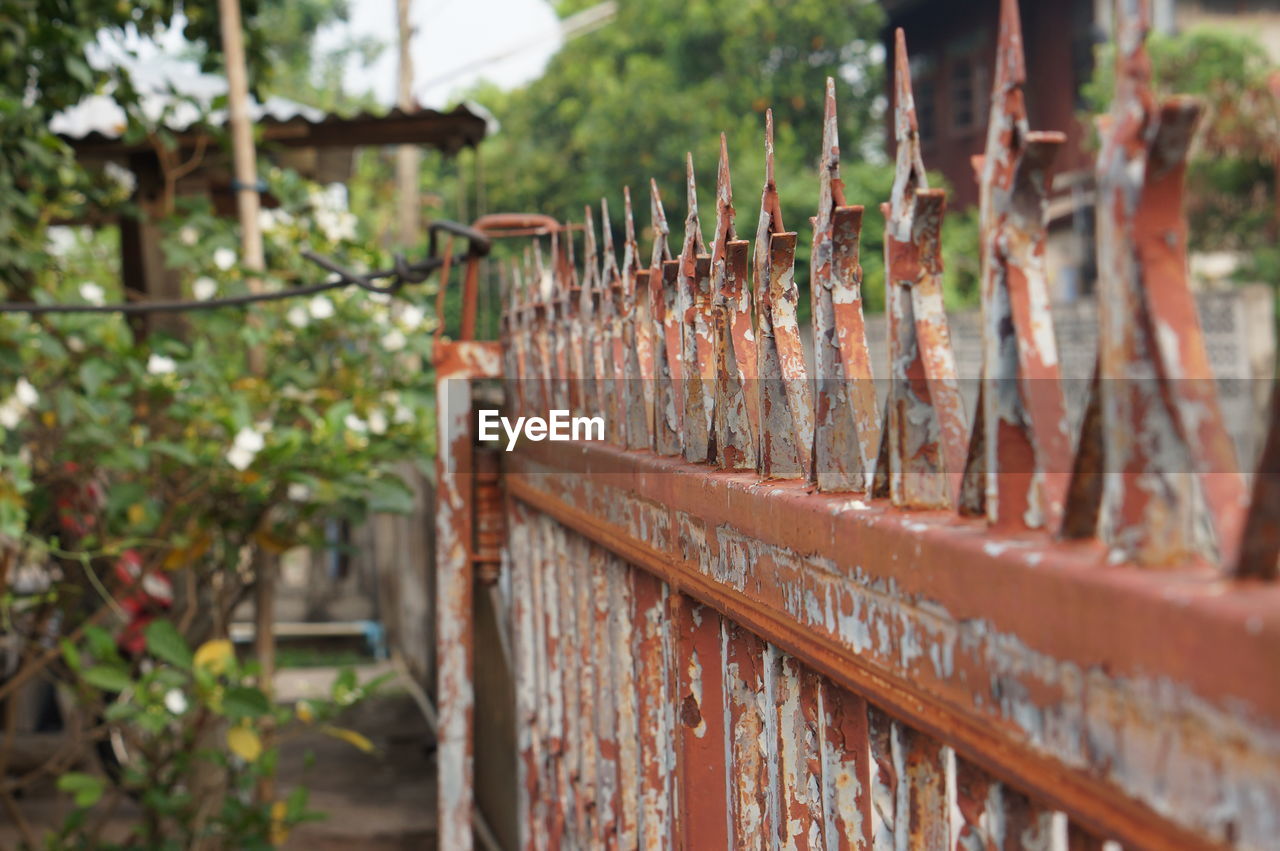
(768, 611)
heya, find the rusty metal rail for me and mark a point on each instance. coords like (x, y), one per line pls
(767, 612)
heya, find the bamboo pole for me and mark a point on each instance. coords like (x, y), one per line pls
(244, 159)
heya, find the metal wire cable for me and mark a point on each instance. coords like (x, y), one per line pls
(400, 274)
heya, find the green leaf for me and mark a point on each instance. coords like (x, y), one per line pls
(165, 642)
(107, 678)
(70, 655)
(85, 789)
(101, 645)
(244, 702)
(94, 374)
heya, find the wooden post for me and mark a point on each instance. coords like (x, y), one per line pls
(408, 157)
(251, 259)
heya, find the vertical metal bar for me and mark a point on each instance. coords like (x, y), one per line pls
(522, 566)
(560, 810)
(847, 423)
(637, 369)
(802, 823)
(621, 648)
(611, 329)
(584, 558)
(701, 759)
(1025, 441)
(732, 338)
(886, 773)
(925, 796)
(657, 741)
(589, 313)
(786, 405)
(698, 365)
(927, 437)
(599, 644)
(846, 769)
(667, 406)
(1161, 417)
(456, 365)
(751, 750)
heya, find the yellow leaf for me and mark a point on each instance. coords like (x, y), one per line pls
(182, 556)
(137, 514)
(304, 712)
(349, 736)
(215, 655)
(279, 830)
(49, 418)
(244, 743)
(272, 543)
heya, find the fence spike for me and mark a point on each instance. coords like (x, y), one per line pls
(611, 333)
(698, 365)
(666, 332)
(786, 408)
(1160, 414)
(846, 430)
(590, 320)
(926, 437)
(733, 339)
(1021, 446)
(636, 353)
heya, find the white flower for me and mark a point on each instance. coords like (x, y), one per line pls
(188, 235)
(160, 365)
(266, 219)
(377, 421)
(299, 492)
(411, 316)
(239, 458)
(224, 258)
(122, 176)
(248, 442)
(175, 701)
(379, 298)
(354, 423)
(250, 439)
(320, 307)
(92, 293)
(297, 316)
(402, 415)
(394, 340)
(11, 413)
(75, 344)
(25, 393)
(204, 288)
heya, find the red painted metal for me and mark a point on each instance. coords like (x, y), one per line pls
(769, 614)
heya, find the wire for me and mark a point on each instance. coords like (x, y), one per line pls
(400, 274)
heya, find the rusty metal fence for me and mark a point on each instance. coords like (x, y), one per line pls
(768, 611)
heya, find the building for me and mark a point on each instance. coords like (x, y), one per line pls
(952, 47)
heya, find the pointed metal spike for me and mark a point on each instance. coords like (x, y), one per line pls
(769, 181)
(659, 220)
(610, 266)
(909, 173)
(1011, 65)
(628, 219)
(691, 189)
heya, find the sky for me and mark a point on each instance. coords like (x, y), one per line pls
(450, 35)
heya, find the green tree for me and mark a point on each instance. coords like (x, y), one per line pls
(625, 102)
(1231, 179)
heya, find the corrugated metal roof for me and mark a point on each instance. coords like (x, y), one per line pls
(177, 95)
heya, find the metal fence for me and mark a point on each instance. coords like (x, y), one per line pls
(768, 611)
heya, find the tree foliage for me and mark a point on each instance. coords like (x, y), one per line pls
(1231, 180)
(626, 102)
